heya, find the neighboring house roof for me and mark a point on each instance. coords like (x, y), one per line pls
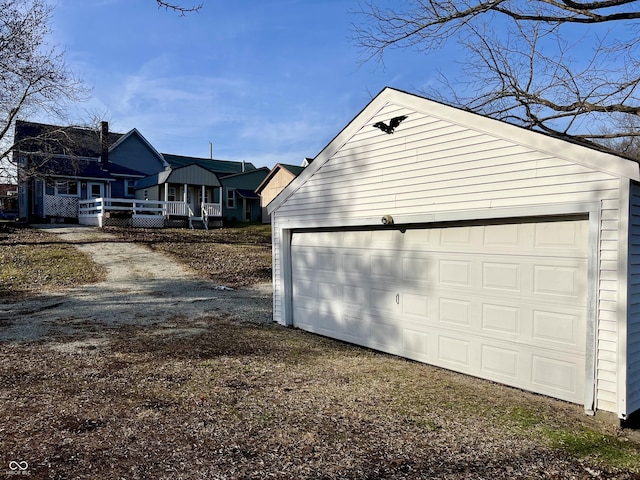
(247, 180)
(186, 174)
(217, 166)
(34, 137)
(249, 194)
(295, 170)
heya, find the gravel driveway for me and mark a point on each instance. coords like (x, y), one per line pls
(142, 287)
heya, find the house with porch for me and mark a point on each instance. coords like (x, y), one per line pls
(104, 178)
(60, 166)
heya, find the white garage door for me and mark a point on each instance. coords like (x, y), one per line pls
(505, 302)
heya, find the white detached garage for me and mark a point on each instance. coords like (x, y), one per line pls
(470, 244)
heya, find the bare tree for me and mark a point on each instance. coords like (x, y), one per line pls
(176, 7)
(34, 78)
(563, 67)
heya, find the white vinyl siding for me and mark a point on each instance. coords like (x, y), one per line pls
(633, 295)
(431, 166)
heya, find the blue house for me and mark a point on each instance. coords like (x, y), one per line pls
(60, 166)
(104, 178)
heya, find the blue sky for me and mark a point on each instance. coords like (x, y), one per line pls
(264, 81)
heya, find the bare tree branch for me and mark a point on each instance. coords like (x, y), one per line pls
(564, 67)
(34, 77)
(179, 8)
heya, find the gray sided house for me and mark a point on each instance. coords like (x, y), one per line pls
(196, 182)
(241, 202)
(471, 244)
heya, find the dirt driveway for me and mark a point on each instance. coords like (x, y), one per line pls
(142, 287)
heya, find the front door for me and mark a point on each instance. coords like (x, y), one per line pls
(247, 210)
(95, 190)
(192, 200)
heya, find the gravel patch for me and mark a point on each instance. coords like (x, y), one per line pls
(142, 287)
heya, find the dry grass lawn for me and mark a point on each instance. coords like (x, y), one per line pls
(219, 399)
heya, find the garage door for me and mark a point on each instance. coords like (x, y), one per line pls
(505, 302)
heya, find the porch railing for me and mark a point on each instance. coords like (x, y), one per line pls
(100, 206)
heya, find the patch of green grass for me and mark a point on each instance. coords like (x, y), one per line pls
(36, 267)
(605, 449)
(524, 417)
(578, 441)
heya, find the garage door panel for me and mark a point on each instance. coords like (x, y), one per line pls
(384, 267)
(505, 302)
(503, 236)
(501, 361)
(455, 311)
(562, 329)
(416, 344)
(356, 326)
(386, 335)
(454, 350)
(568, 236)
(500, 319)
(455, 272)
(554, 375)
(414, 305)
(329, 320)
(559, 280)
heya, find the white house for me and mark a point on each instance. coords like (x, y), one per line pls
(470, 244)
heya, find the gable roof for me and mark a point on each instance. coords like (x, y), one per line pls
(31, 137)
(586, 155)
(295, 170)
(223, 167)
(180, 175)
(135, 132)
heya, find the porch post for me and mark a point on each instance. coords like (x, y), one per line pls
(184, 199)
(165, 211)
(202, 202)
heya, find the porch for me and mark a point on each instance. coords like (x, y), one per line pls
(124, 212)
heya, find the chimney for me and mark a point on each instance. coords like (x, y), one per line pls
(104, 145)
(243, 167)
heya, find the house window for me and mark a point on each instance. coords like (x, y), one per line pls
(67, 188)
(130, 188)
(95, 190)
(172, 194)
(231, 198)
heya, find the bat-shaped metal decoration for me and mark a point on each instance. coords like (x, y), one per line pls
(393, 123)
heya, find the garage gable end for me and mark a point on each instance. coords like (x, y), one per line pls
(430, 128)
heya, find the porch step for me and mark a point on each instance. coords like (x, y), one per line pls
(198, 223)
